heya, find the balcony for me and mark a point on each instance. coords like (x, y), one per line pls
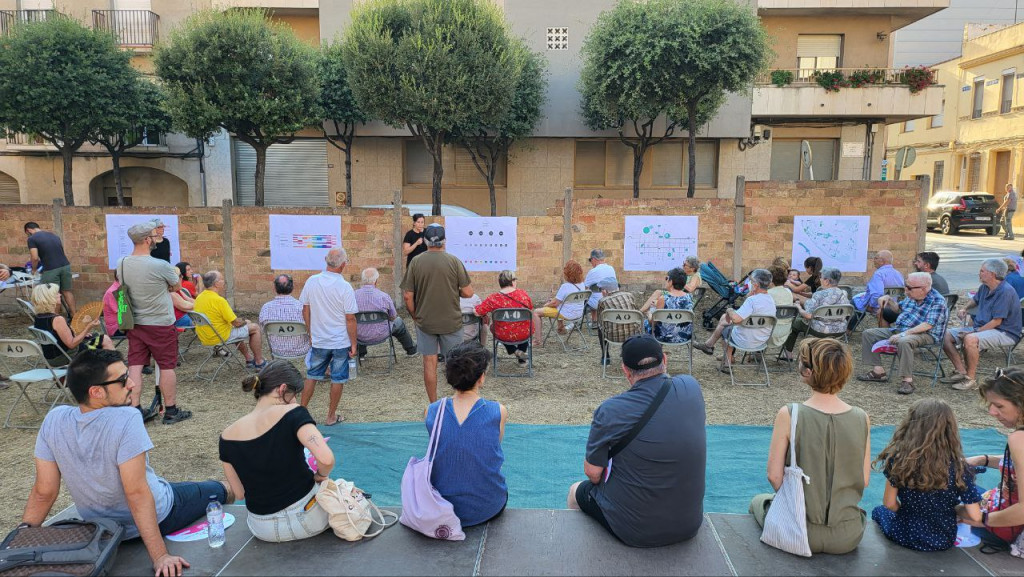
(9, 18)
(877, 94)
(903, 12)
(131, 28)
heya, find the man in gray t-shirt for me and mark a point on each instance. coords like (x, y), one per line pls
(1007, 208)
(100, 449)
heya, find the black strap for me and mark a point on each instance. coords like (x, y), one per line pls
(639, 426)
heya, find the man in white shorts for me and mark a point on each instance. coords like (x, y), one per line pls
(997, 323)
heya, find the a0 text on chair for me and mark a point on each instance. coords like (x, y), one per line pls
(675, 317)
(577, 298)
(751, 323)
(618, 317)
(30, 351)
(511, 315)
(274, 330)
(225, 351)
(370, 318)
(833, 313)
(782, 313)
(896, 292)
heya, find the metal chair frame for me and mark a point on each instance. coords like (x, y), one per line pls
(289, 329)
(201, 320)
(698, 295)
(618, 317)
(783, 312)
(367, 318)
(472, 319)
(753, 321)
(675, 317)
(577, 324)
(27, 308)
(25, 349)
(511, 315)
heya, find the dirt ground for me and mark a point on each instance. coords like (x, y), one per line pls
(565, 389)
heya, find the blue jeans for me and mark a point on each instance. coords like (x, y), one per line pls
(184, 321)
(190, 500)
(318, 360)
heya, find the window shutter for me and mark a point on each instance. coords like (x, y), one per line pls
(620, 164)
(589, 163)
(818, 45)
(9, 192)
(707, 164)
(296, 174)
(668, 164)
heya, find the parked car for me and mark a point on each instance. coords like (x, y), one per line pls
(952, 211)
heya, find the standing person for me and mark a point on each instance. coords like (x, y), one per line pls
(839, 468)
(329, 310)
(510, 296)
(928, 479)
(150, 282)
(47, 249)
(650, 492)
(431, 289)
(600, 271)
(928, 262)
(1007, 208)
(413, 244)
(371, 298)
(162, 247)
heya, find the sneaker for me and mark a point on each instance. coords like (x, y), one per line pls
(906, 388)
(968, 384)
(179, 415)
(954, 378)
(411, 353)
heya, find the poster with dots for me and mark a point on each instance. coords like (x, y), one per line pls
(658, 242)
(486, 243)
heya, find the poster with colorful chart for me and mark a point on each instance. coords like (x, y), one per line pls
(658, 242)
(300, 242)
(486, 243)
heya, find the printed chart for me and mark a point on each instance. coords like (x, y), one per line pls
(301, 242)
(658, 242)
(485, 243)
(840, 241)
(119, 245)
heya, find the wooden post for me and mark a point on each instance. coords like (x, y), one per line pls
(396, 220)
(737, 236)
(58, 220)
(229, 260)
(567, 227)
(922, 210)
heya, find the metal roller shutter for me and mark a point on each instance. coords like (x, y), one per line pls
(9, 192)
(818, 45)
(296, 174)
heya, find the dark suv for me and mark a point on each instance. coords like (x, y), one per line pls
(953, 210)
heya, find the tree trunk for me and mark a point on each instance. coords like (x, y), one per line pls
(261, 165)
(348, 173)
(115, 158)
(435, 191)
(638, 168)
(691, 112)
(68, 154)
(494, 199)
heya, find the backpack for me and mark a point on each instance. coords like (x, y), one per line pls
(70, 547)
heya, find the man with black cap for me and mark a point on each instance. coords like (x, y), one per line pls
(646, 454)
(433, 283)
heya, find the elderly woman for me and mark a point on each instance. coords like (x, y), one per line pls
(691, 266)
(757, 303)
(509, 296)
(572, 277)
(840, 468)
(46, 301)
(674, 297)
(828, 295)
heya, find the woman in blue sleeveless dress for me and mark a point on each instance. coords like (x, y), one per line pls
(673, 296)
(467, 468)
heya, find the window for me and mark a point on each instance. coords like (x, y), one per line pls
(589, 165)
(979, 97)
(974, 172)
(786, 162)
(151, 137)
(818, 52)
(1006, 100)
(609, 163)
(962, 181)
(466, 172)
(558, 38)
(939, 118)
(908, 126)
(110, 195)
(938, 173)
(419, 167)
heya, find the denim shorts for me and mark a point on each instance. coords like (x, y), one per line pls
(297, 521)
(190, 500)
(317, 361)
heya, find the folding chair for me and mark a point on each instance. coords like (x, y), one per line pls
(896, 292)
(27, 308)
(783, 312)
(43, 338)
(675, 317)
(183, 330)
(281, 329)
(848, 290)
(575, 298)
(368, 318)
(750, 323)
(118, 341)
(471, 319)
(934, 349)
(1009, 350)
(698, 294)
(831, 313)
(618, 317)
(221, 349)
(25, 349)
(512, 315)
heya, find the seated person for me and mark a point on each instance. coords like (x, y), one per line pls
(264, 463)
(467, 468)
(921, 321)
(650, 492)
(184, 300)
(101, 450)
(675, 297)
(188, 278)
(757, 303)
(997, 323)
(284, 308)
(371, 298)
(782, 297)
(1013, 277)
(509, 296)
(572, 274)
(885, 276)
(828, 295)
(472, 330)
(614, 299)
(229, 326)
(812, 265)
(110, 310)
(46, 300)
(793, 277)
(691, 266)
(600, 271)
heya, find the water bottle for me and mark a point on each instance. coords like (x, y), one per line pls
(28, 268)
(215, 522)
(353, 368)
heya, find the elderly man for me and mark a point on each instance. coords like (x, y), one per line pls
(921, 320)
(613, 298)
(46, 248)
(654, 493)
(371, 298)
(284, 308)
(329, 310)
(997, 323)
(225, 323)
(885, 276)
(600, 271)
(758, 302)
(431, 289)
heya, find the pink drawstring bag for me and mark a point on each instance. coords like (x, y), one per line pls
(423, 508)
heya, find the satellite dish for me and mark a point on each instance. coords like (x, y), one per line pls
(805, 157)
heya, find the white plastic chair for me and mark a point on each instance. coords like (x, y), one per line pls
(753, 322)
(30, 350)
(573, 298)
(674, 317)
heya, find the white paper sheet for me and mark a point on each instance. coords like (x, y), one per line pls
(658, 242)
(301, 242)
(486, 243)
(119, 245)
(840, 241)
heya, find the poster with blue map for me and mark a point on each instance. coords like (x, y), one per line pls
(840, 241)
(658, 242)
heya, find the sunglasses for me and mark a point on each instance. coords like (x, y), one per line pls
(910, 288)
(123, 379)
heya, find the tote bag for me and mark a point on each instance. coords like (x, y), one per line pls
(423, 508)
(125, 315)
(785, 525)
(349, 512)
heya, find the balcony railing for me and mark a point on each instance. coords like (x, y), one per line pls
(9, 18)
(22, 139)
(130, 27)
(856, 77)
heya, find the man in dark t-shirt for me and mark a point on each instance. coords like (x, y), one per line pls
(651, 493)
(161, 249)
(46, 249)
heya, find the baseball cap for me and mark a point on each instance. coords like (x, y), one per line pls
(138, 232)
(157, 223)
(433, 233)
(638, 348)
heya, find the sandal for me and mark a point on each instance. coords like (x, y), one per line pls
(873, 377)
(337, 419)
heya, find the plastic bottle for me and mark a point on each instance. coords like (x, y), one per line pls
(215, 522)
(353, 368)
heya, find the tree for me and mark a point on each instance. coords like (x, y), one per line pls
(141, 115)
(649, 63)
(239, 71)
(339, 107)
(487, 144)
(60, 82)
(430, 66)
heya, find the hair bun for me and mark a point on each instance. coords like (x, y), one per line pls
(249, 383)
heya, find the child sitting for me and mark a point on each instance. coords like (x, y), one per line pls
(928, 478)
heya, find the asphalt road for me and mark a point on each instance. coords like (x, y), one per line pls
(960, 255)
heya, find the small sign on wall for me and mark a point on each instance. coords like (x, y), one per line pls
(853, 149)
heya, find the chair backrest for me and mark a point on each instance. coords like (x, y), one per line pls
(511, 315)
(20, 349)
(621, 316)
(833, 312)
(698, 294)
(372, 317)
(284, 329)
(27, 308)
(472, 319)
(575, 298)
(201, 320)
(672, 316)
(848, 290)
(759, 322)
(783, 312)
(44, 338)
(952, 299)
(896, 292)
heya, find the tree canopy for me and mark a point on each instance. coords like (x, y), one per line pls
(339, 107)
(242, 72)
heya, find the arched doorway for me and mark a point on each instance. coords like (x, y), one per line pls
(143, 186)
(10, 192)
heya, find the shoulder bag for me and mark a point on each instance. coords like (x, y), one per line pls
(785, 525)
(72, 547)
(423, 508)
(125, 315)
(617, 448)
(350, 511)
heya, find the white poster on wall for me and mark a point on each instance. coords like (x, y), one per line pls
(486, 243)
(119, 245)
(658, 242)
(840, 241)
(301, 242)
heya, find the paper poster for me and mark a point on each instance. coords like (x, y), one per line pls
(658, 242)
(301, 242)
(486, 243)
(119, 245)
(840, 241)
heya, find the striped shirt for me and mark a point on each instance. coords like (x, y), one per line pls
(285, 308)
(370, 298)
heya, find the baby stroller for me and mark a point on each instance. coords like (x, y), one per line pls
(727, 290)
